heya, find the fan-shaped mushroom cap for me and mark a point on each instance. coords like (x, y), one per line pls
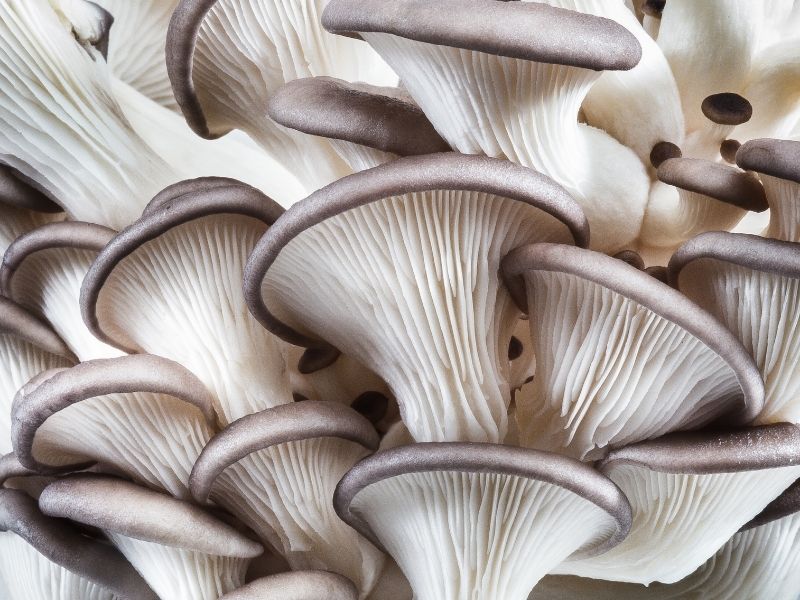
(142, 414)
(225, 59)
(27, 347)
(752, 285)
(367, 125)
(665, 363)
(43, 270)
(40, 554)
(412, 249)
(686, 491)
(170, 284)
(778, 163)
(277, 470)
(480, 520)
(452, 69)
(297, 585)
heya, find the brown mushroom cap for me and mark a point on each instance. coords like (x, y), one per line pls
(279, 425)
(380, 118)
(721, 182)
(472, 457)
(10, 467)
(648, 291)
(728, 150)
(16, 321)
(174, 206)
(562, 37)
(446, 171)
(706, 452)
(788, 503)
(52, 392)
(21, 192)
(727, 109)
(776, 158)
(62, 543)
(297, 585)
(125, 508)
(663, 151)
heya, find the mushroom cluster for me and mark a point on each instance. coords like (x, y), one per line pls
(394, 300)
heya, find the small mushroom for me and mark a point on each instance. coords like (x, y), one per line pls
(182, 551)
(412, 249)
(621, 357)
(470, 520)
(298, 585)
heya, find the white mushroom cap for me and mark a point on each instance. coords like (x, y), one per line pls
(144, 415)
(666, 363)
(480, 520)
(412, 249)
(298, 585)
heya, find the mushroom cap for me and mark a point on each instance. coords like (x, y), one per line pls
(500, 28)
(750, 251)
(728, 149)
(788, 503)
(777, 158)
(707, 452)
(17, 321)
(721, 182)
(663, 151)
(297, 585)
(176, 205)
(60, 542)
(64, 234)
(448, 171)
(125, 508)
(727, 108)
(279, 425)
(648, 291)
(21, 192)
(473, 457)
(11, 467)
(55, 390)
(376, 117)
(632, 258)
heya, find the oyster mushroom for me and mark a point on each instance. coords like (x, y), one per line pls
(470, 520)
(183, 552)
(143, 415)
(44, 269)
(43, 558)
(277, 469)
(752, 285)
(620, 356)
(170, 284)
(489, 87)
(298, 585)
(412, 249)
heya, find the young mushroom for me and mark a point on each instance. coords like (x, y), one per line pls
(143, 415)
(42, 558)
(620, 356)
(778, 164)
(226, 58)
(686, 491)
(183, 552)
(480, 521)
(44, 269)
(412, 249)
(752, 285)
(27, 347)
(277, 470)
(170, 284)
(490, 87)
(297, 585)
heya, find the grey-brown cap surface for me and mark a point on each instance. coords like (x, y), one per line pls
(128, 509)
(706, 452)
(62, 543)
(445, 171)
(501, 28)
(648, 291)
(471, 457)
(376, 117)
(727, 108)
(777, 158)
(297, 585)
(35, 403)
(721, 182)
(787, 504)
(279, 425)
(21, 192)
(17, 321)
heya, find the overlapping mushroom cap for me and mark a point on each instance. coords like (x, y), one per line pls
(299, 585)
(620, 356)
(411, 249)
